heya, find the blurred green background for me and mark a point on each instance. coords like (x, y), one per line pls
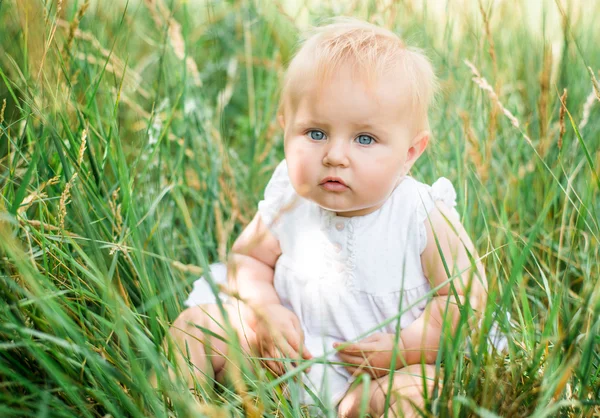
(137, 137)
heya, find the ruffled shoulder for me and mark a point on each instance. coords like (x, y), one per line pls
(441, 190)
(278, 193)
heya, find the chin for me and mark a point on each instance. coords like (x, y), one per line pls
(329, 206)
(337, 208)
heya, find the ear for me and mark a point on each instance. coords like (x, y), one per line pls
(281, 120)
(417, 147)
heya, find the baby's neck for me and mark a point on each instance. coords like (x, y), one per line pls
(359, 212)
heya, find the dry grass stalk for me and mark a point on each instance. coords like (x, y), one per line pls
(30, 200)
(488, 34)
(484, 85)
(212, 411)
(543, 100)
(192, 180)
(251, 410)
(115, 209)
(187, 268)
(221, 235)
(74, 25)
(54, 180)
(45, 226)
(595, 83)
(64, 201)
(50, 38)
(492, 51)
(141, 124)
(591, 99)
(2, 111)
(473, 149)
(116, 65)
(561, 118)
(230, 195)
(175, 36)
(37, 195)
(82, 147)
(114, 247)
(587, 109)
(269, 136)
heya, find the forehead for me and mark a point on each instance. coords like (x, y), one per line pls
(347, 94)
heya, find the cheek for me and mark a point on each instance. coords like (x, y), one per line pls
(301, 163)
(387, 164)
(382, 173)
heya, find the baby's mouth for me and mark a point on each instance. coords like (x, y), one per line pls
(334, 184)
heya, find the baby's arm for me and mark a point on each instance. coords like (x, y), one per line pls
(250, 275)
(252, 263)
(422, 337)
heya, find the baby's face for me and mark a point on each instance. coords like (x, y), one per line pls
(346, 145)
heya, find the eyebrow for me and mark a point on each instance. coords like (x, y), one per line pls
(367, 127)
(377, 130)
(306, 123)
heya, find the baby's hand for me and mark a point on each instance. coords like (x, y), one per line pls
(279, 335)
(371, 355)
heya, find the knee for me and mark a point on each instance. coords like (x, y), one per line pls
(415, 378)
(349, 406)
(191, 321)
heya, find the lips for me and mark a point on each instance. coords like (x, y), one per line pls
(333, 184)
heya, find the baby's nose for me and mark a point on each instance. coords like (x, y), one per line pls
(336, 154)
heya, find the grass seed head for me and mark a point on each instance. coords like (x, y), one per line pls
(2, 111)
(82, 147)
(561, 118)
(73, 27)
(64, 201)
(595, 84)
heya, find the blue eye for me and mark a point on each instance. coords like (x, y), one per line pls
(316, 135)
(365, 139)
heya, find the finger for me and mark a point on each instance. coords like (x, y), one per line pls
(275, 366)
(270, 361)
(355, 371)
(346, 358)
(361, 347)
(290, 353)
(371, 338)
(293, 338)
(355, 361)
(347, 348)
(296, 349)
(299, 346)
(287, 350)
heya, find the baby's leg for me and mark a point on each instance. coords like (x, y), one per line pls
(208, 354)
(408, 391)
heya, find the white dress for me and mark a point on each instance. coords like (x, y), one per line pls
(345, 276)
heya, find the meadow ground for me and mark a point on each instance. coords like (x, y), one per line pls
(136, 138)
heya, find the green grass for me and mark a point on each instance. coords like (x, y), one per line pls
(178, 102)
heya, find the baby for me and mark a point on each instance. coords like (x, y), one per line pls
(346, 246)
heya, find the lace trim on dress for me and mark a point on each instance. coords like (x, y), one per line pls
(351, 262)
(326, 220)
(442, 190)
(331, 274)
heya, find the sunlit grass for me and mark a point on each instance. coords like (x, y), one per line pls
(137, 137)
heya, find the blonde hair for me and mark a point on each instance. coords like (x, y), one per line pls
(370, 51)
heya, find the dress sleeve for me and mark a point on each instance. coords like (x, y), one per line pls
(441, 190)
(278, 193)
